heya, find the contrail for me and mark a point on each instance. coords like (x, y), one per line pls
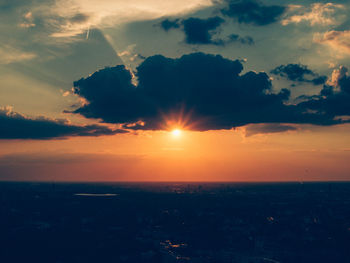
(87, 33)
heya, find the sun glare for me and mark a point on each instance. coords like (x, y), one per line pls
(176, 133)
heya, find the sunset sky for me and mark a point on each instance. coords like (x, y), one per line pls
(92, 90)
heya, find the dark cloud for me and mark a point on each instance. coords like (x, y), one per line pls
(319, 80)
(243, 40)
(201, 31)
(332, 100)
(253, 12)
(265, 128)
(168, 24)
(199, 91)
(300, 73)
(17, 126)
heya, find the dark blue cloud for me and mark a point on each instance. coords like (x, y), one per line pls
(300, 73)
(200, 31)
(17, 126)
(206, 91)
(168, 24)
(253, 12)
(332, 100)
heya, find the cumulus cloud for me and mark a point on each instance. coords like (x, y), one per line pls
(333, 100)
(337, 76)
(14, 125)
(300, 73)
(197, 91)
(253, 12)
(337, 40)
(316, 14)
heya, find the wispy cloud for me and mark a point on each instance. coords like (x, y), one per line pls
(268, 128)
(339, 41)
(107, 13)
(9, 55)
(316, 14)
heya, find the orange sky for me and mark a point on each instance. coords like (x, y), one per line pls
(321, 153)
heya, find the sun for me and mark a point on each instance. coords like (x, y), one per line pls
(176, 132)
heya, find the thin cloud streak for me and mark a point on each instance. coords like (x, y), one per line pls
(9, 55)
(107, 13)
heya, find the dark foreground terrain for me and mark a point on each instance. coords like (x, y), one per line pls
(174, 222)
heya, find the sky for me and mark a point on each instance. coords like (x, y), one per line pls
(93, 90)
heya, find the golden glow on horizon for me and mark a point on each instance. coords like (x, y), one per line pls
(176, 133)
(223, 155)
